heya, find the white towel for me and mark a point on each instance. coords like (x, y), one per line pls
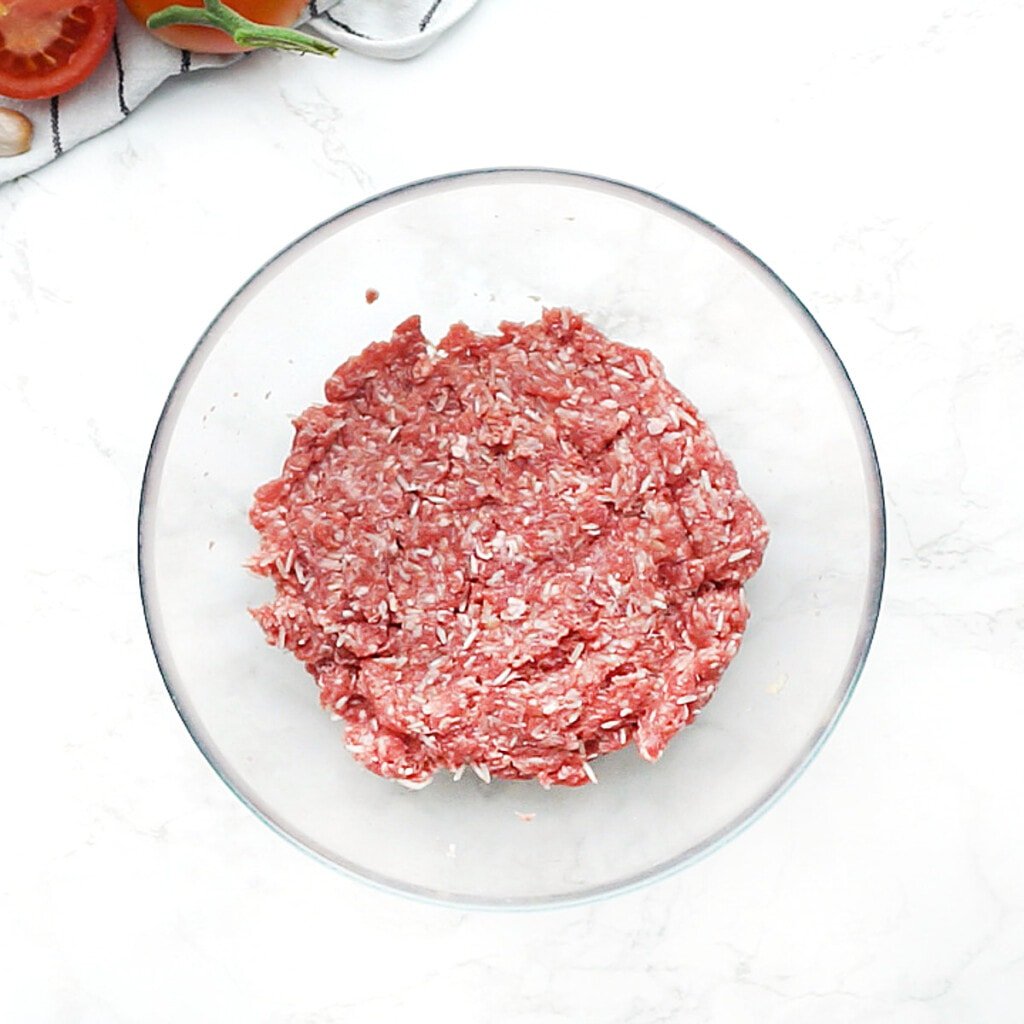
(137, 63)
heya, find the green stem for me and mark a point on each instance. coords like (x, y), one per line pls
(247, 34)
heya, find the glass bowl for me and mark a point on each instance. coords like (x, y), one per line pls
(484, 246)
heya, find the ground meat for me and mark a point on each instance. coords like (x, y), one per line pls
(513, 553)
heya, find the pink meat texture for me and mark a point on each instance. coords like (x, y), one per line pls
(514, 552)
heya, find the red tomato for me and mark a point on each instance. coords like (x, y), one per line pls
(281, 13)
(50, 46)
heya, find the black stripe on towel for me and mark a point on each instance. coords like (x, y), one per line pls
(120, 78)
(425, 20)
(313, 9)
(345, 28)
(55, 126)
(186, 61)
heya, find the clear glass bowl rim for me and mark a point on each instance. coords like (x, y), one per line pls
(866, 630)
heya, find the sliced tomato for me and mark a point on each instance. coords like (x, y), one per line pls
(49, 46)
(201, 39)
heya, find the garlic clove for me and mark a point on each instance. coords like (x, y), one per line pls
(15, 132)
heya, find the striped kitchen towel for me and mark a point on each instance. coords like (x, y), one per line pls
(137, 63)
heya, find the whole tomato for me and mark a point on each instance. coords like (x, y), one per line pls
(211, 26)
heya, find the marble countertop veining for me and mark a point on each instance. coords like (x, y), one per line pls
(871, 157)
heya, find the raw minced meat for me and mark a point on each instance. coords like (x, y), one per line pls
(512, 552)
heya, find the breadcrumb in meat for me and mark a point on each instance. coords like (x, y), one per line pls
(513, 553)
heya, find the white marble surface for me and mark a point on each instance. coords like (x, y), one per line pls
(871, 157)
